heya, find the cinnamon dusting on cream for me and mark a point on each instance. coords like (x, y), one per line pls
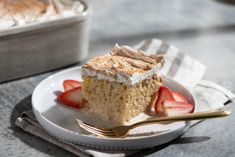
(20, 12)
(123, 64)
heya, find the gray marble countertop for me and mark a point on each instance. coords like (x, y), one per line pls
(203, 29)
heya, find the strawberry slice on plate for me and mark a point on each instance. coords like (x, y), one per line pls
(173, 108)
(72, 98)
(163, 94)
(179, 97)
(71, 84)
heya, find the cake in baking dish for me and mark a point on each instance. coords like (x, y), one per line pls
(20, 12)
(119, 85)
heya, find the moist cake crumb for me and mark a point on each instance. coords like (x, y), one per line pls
(118, 86)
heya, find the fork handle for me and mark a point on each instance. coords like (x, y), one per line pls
(185, 117)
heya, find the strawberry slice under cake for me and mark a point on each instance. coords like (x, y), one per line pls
(120, 85)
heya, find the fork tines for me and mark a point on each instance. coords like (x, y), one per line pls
(96, 130)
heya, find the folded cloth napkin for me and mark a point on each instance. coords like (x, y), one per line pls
(179, 66)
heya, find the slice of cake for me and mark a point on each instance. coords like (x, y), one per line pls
(118, 86)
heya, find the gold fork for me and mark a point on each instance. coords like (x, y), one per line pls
(122, 130)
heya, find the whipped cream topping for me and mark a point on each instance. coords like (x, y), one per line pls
(20, 12)
(123, 64)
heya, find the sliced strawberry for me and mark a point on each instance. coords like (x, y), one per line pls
(179, 97)
(172, 108)
(71, 84)
(71, 98)
(175, 104)
(163, 94)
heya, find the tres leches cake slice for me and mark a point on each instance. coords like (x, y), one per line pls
(120, 85)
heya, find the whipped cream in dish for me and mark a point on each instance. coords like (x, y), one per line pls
(124, 65)
(20, 12)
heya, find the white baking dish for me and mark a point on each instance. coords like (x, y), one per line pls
(42, 46)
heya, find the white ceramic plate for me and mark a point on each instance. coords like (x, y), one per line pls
(60, 120)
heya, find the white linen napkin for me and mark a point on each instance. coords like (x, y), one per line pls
(179, 66)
